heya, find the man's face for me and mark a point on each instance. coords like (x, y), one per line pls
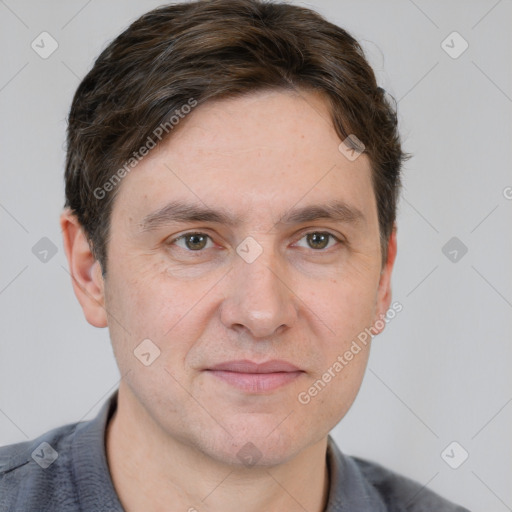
(298, 290)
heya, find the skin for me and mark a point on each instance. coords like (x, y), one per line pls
(176, 433)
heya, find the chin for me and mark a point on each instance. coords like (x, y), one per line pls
(256, 444)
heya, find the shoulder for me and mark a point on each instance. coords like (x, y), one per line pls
(38, 474)
(368, 486)
(65, 469)
(400, 493)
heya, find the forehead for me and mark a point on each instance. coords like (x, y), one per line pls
(267, 149)
(284, 124)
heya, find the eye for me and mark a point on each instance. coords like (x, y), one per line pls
(318, 240)
(194, 241)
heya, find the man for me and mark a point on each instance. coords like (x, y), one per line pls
(231, 184)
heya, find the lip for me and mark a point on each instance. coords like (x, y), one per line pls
(254, 377)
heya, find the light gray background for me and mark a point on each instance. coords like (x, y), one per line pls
(441, 370)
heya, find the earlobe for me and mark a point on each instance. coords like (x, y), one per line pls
(85, 270)
(384, 292)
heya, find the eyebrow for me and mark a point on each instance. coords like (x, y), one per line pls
(178, 211)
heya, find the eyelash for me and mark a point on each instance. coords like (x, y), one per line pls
(185, 235)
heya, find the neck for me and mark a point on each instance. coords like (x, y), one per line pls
(152, 471)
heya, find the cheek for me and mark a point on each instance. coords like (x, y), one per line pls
(149, 304)
(148, 299)
(325, 400)
(345, 304)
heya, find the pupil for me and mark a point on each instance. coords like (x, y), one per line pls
(318, 240)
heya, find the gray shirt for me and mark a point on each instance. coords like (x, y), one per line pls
(66, 470)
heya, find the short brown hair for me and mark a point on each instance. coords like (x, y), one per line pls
(215, 49)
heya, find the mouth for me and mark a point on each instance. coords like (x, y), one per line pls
(254, 377)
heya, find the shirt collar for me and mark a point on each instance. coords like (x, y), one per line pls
(95, 489)
(348, 488)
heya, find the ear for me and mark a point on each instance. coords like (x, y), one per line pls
(384, 291)
(85, 270)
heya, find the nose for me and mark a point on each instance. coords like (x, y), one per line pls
(259, 300)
